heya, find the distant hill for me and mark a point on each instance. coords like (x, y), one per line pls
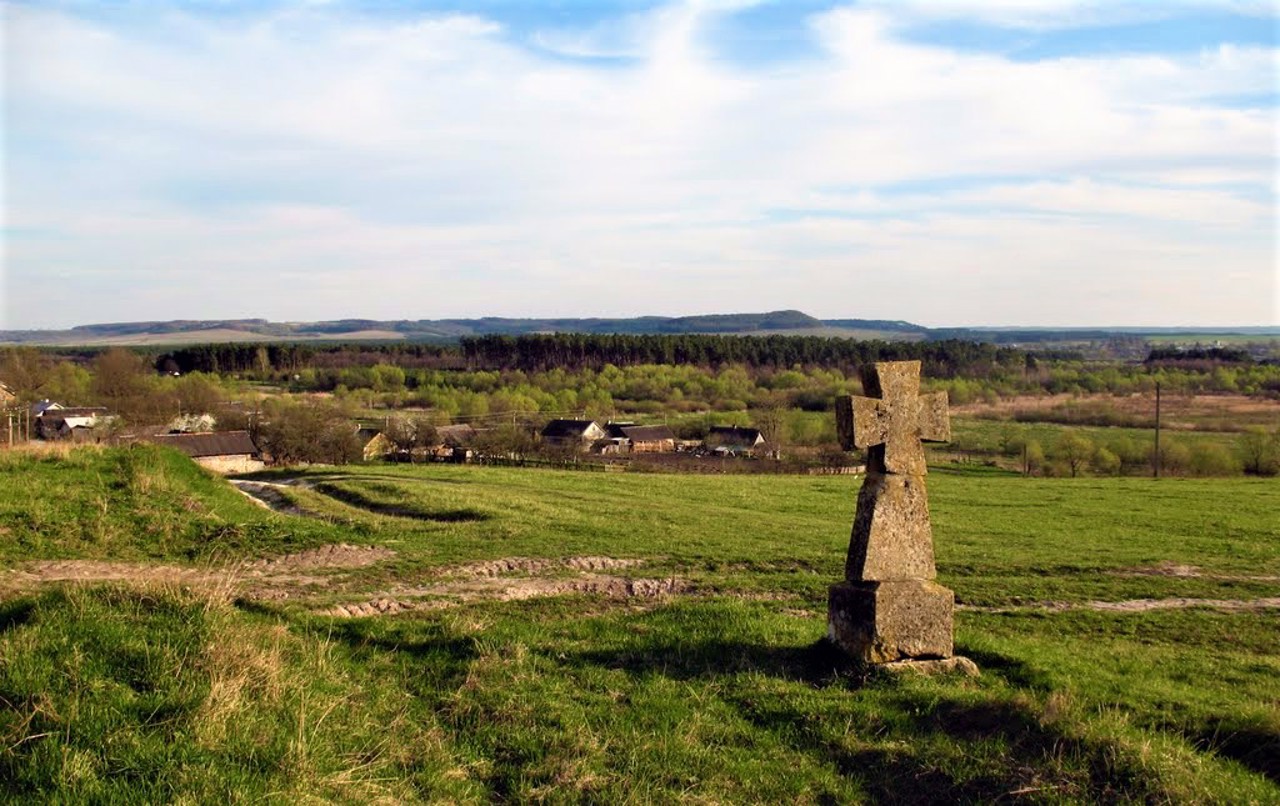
(793, 323)
(1041, 335)
(188, 331)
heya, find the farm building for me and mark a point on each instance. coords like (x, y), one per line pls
(38, 409)
(580, 434)
(377, 446)
(55, 421)
(641, 438)
(223, 452)
(733, 440)
(455, 442)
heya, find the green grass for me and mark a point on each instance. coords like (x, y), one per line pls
(148, 694)
(128, 504)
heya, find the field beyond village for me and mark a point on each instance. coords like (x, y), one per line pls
(452, 633)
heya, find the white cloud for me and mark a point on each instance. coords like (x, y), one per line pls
(1051, 14)
(315, 163)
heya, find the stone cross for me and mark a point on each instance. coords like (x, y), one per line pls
(889, 608)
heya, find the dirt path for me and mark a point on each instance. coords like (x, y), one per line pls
(310, 576)
(269, 495)
(269, 578)
(434, 597)
(1169, 569)
(1134, 605)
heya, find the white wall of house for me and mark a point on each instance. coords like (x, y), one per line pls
(227, 465)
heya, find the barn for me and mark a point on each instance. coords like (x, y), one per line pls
(224, 452)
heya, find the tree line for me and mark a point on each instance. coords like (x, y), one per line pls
(574, 351)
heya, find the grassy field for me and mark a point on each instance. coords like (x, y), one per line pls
(678, 659)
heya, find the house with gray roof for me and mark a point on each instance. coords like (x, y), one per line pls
(579, 434)
(642, 438)
(224, 452)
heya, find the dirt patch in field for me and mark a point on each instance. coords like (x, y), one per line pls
(96, 571)
(611, 586)
(513, 579)
(508, 591)
(530, 565)
(1144, 605)
(1134, 605)
(267, 578)
(378, 607)
(1170, 569)
(504, 589)
(306, 574)
(336, 555)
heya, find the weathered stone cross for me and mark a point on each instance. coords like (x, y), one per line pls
(889, 608)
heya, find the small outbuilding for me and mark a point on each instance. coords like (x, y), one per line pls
(733, 440)
(456, 442)
(641, 438)
(224, 452)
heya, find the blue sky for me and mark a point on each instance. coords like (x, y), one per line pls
(1000, 162)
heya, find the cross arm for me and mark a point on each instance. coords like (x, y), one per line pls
(935, 423)
(861, 422)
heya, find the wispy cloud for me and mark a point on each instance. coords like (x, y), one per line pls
(316, 161)
(1055, 14)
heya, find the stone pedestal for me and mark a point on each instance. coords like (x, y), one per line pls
(881, 622)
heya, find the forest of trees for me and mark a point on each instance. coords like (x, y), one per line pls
(573, 351)
(690, 381)
(945, 359)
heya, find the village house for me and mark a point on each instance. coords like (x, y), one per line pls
(225, 452)
(733, 440)
(376, 444)
(456, 442)
(577, 434)
(629, 437)
(39, 408)
(453, 444)
(55, 421)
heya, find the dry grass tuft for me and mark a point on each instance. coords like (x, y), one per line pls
(245, 675)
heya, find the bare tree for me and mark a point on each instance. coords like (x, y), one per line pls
(771, 422)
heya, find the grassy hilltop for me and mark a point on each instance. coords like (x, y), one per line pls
(569, 637)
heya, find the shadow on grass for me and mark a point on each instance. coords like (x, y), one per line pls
(15, 613)
(361, 634)
(906, 747)
(432, 659)
(361, 501)
(1014, 670)
(925, 747)
(818, 664)
(1253, 746)
(284, 474)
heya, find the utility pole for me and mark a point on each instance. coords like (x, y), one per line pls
(1157, 454)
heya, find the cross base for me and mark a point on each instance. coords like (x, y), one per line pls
(882, 622)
